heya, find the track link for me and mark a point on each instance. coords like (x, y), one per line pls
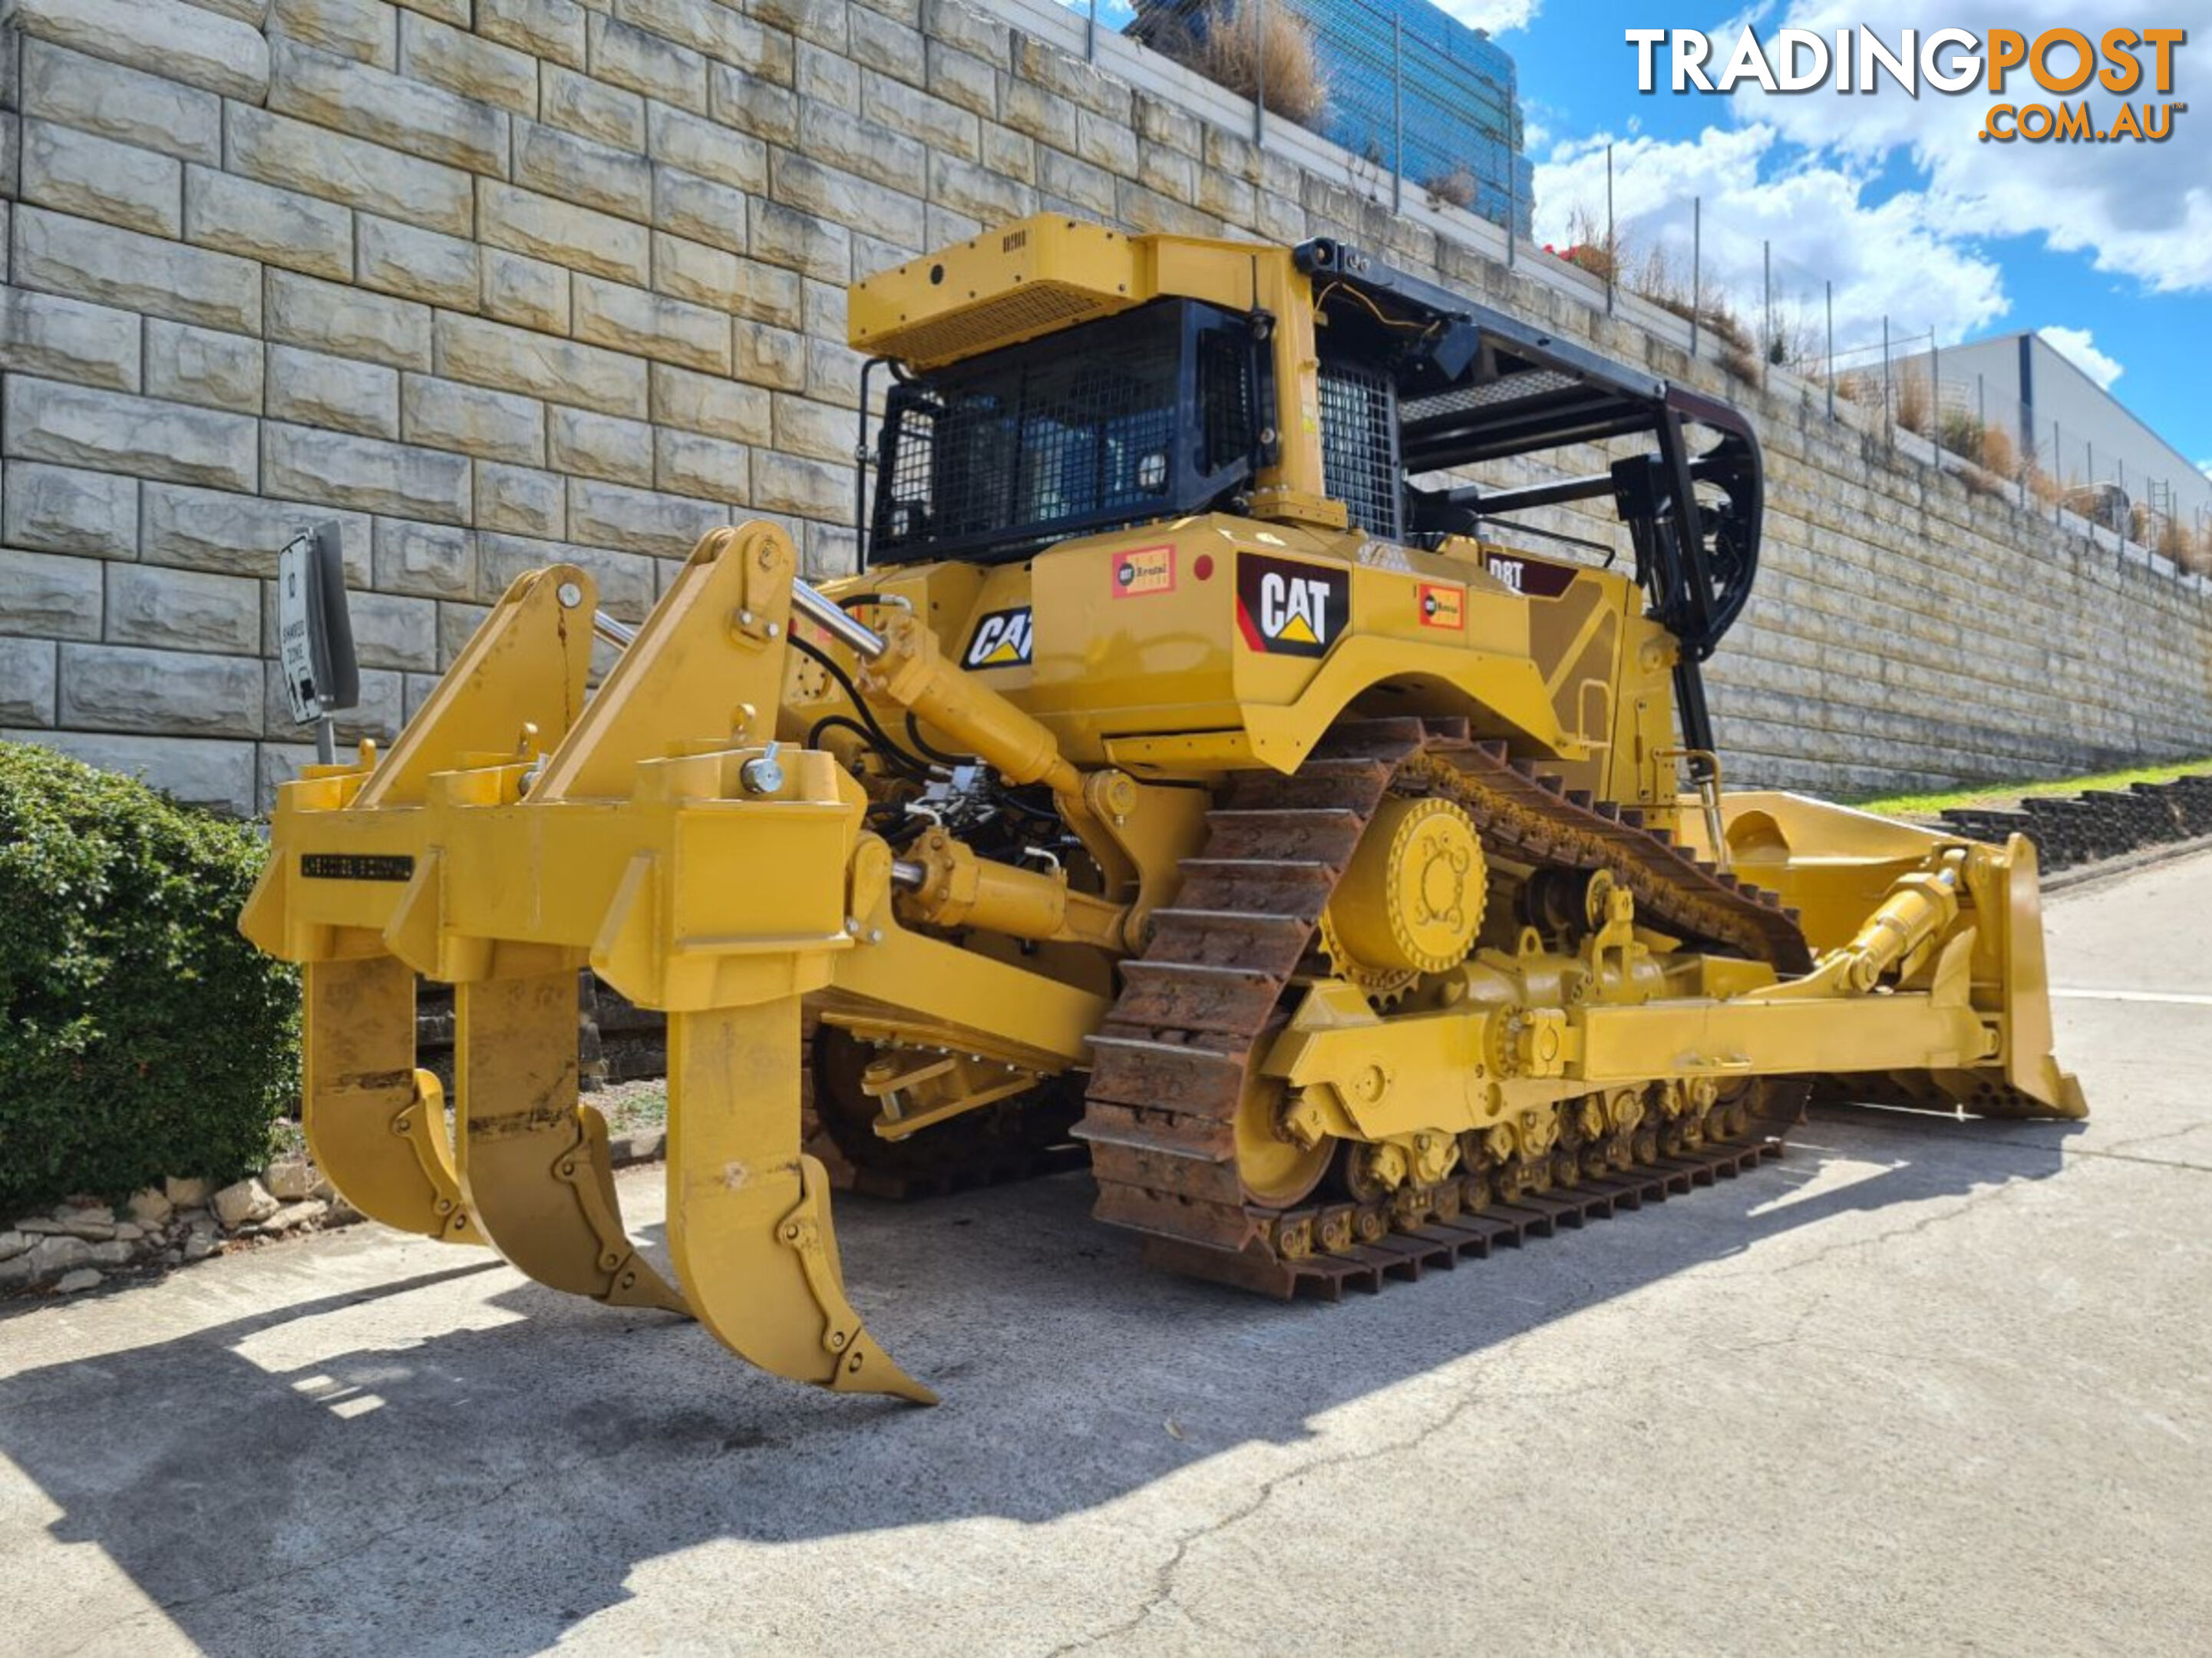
(1171, 1063)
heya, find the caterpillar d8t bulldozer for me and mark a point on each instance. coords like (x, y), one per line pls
(1201, 765)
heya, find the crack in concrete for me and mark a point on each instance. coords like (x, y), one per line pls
(1164, 1574)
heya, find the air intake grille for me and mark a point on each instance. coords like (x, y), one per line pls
(1359, 445)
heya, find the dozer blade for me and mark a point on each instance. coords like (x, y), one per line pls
(375, 1125)
(2032, 1066)
(749, 1213)
(533, 1162)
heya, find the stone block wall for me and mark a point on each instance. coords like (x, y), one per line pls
(495, 282)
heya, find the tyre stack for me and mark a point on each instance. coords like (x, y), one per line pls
(2097, 824)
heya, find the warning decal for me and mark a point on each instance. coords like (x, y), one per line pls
(1146, 571)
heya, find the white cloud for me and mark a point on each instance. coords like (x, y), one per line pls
(2137, 209)
(1891, 259)
(2075, 345)
(1496, 15)
(2205, 467)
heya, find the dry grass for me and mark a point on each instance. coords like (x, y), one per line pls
(1250, 49)
(1457, 187)
(1913, 404)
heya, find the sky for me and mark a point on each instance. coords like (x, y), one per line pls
(2104, 249)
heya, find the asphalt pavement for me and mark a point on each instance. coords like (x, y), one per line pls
(1924, 1385)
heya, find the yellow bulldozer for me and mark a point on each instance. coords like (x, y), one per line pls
(1212, 765)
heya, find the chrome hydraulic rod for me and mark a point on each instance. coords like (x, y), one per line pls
(834, 620)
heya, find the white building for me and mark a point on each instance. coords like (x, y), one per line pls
(2068, 426)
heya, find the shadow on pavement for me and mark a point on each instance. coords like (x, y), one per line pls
(412, 1485)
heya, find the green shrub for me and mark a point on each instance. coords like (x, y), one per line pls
(140, 1035)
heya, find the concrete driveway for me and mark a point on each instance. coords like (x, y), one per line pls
(1923, 1386)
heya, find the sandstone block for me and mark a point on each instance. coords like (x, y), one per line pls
(707, 149)
(820, 430)
(150, 1207)
(458, 622)
(647, 62)
(829, 76)
(833, 374)
(262, 222)
(50, 597)
(127, 105)
(767, 356)
(752, 105)
(1007, 151)
(625, 581)
(348, 323)
(526, 292)
(822, 21)
(719, 32)
(99, 179)
(638, 320)
(516, 359)
(863, 148)
(238, 535)
(183, 610)
(576, 103)
(426, 560)
(289, 1179)
(60, 509)
(1108, 144)
(639, 520)
(584, 170)
(467, 64)
(519, 501)
(136, 272)
(418, 265)
(550, 29)
(947, 127)
(203, 366)
(692, 463)
(123, 688)
(706, 402)
(67, 339)
(972, 30)
(795, 484)
(166, 38)
(186, 1194)
(1090, 187)
(366, 30)
(702, 210)
(846, 199)
(314, 389)
(886, 45)
(305, 157)
(524, 221)
(981, 192)
(26, 685)
(243, 1203)
(393, 632)
(491, 425)
(390, 110)
(585, 445)
(108, 431)
(366, 474)
(942, 225)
